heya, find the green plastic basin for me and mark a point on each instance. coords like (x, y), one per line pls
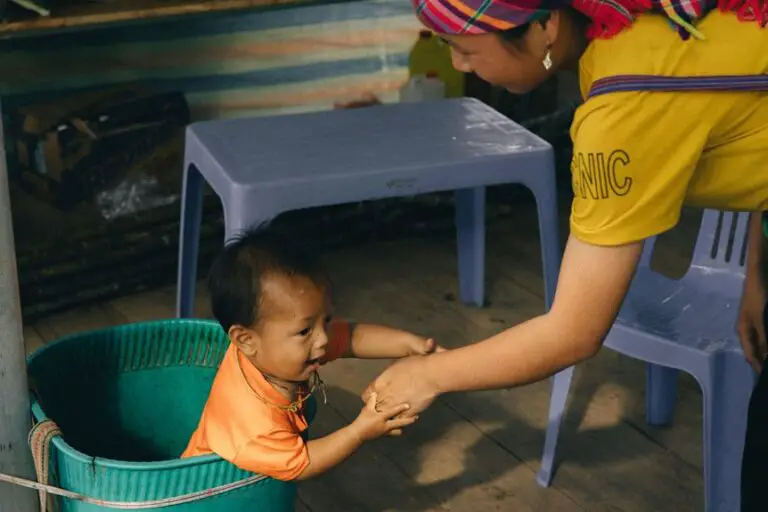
(127, 400)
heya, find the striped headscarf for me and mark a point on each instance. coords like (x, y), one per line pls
(609, 17)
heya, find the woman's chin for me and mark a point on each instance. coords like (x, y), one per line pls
(518, 90)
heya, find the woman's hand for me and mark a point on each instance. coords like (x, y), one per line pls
(750, 324)
(406, 381)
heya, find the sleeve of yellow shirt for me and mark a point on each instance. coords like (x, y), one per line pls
(280, 454)
(634, 154)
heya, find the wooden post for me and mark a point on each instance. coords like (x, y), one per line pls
(15, 456)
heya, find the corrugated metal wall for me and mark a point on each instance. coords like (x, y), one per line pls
(235, 64)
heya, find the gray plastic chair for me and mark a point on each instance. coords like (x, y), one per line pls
(689, 325)
(262, 167)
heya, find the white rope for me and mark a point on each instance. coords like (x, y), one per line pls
(40, 438)
(133, 505)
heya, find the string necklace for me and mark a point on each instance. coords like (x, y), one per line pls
(315, 383)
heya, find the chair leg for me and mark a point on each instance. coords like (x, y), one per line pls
(561, 384)
(189, 241)
(660, 394)
(470, 239)
(545, 192)
(726, 395)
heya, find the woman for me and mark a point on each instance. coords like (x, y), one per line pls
(638, 157)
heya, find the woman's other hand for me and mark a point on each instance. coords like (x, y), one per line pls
(750, 324)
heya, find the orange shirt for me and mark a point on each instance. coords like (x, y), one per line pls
(255, 436)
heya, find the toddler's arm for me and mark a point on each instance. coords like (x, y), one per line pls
(370, 341)
(329, 451)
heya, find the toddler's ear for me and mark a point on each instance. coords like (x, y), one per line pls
(245, 339)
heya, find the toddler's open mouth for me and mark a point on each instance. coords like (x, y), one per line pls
(312, 362)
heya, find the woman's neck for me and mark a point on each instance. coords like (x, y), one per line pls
(577, 43)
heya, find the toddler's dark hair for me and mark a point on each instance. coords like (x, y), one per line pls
(235, 278)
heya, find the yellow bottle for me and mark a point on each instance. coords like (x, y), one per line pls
(431, 55)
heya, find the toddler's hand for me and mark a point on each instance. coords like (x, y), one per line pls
(422, 347)
(371, 423)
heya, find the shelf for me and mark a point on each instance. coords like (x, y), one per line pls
(87, 12)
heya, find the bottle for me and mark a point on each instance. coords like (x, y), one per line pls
(431, 55)
(422, 88)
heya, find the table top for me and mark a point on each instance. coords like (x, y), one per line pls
(362, 141)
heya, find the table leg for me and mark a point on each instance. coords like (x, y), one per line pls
(189, 241)
(470, 240)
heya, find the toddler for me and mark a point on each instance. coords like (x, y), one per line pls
(273, 299)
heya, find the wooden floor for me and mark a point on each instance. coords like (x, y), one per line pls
(479, 451)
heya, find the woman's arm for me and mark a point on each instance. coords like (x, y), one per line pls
(592, 285)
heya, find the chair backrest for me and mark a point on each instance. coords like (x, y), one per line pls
(721, 244)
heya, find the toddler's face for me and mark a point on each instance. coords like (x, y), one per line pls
(291, 336)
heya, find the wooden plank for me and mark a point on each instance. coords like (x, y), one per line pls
(367, 481)
(81, 319)
(153, 305)
(158, 304)
(81, 14)
(607, 463)
(448, 457)
(445, 453)
(32, 340)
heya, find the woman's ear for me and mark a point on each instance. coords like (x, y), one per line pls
(551, 26)
(247, 340)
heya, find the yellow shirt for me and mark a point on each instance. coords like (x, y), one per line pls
(639, 156)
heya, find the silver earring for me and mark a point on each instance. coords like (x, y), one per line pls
(547, 62)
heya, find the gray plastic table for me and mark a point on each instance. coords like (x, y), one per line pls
(261, 167)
